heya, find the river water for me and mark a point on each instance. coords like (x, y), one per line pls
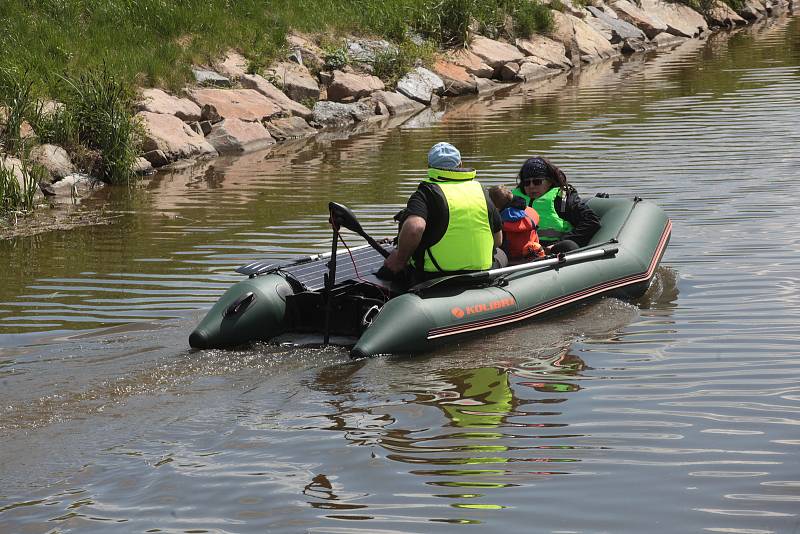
(676, 413)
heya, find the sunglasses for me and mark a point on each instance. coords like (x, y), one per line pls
(532, 181)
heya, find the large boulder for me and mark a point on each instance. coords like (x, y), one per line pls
(243, 104)
(75, 186)
(529, 71)
(721, 14)
(310, 54)
(495, 53)
(420, 84)
(544, 51)
(53, 158)
(233, 65)
(173, 137)
(667, 40)
(681, 20)
(289, 128)
(630, 12)
(209, 77)
(296, 81)
(15, 166)
(346, 86)
(457, 81)
(263, 86)
(580, 38)
(338, 114)
(396, 103)
(234, 136)
(619, 30)
(157, 101)
(367, 50)
(753, 9)
(471, 63)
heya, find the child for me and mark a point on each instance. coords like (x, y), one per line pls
(520, 240)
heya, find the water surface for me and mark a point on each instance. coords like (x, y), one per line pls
(675, 413)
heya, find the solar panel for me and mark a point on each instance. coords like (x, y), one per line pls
(312, 274)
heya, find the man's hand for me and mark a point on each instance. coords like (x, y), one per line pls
(394, 263)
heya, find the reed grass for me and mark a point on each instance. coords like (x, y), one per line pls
(16, 197)
(99, 114)
(18, 105)
(95, 122)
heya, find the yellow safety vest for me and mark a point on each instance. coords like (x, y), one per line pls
(468, 243)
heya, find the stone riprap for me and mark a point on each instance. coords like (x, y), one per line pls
(243, 104)
(544, 51)
(158, 101)
(278, 97)
(421, 85)
(457, 80)
(53, 158)
(345, 85)
(234, 136)
(173, 137)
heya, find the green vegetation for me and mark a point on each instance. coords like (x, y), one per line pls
(155, 42)
(17, 105)
(392, 65)
(17, 196)
(704, 6)
(98, 116)
(449, 22)
(95, 122)
(336, 58)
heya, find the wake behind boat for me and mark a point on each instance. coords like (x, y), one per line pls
(338, 294)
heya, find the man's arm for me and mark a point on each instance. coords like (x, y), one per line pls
(407, 242)
(495, 221)
(498, 239)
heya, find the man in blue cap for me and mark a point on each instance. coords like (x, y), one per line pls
(450, 225)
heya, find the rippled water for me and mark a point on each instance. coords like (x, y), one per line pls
(676, 413)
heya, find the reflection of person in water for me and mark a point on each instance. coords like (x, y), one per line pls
(486, 399)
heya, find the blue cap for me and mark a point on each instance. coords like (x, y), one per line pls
(444, 156)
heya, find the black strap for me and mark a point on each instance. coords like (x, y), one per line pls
(433, 260)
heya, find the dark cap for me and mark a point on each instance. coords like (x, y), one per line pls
(535, 168)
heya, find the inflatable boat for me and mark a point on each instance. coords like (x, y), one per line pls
(337, 294)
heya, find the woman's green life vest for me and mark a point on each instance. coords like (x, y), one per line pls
(551, 227)
(468, 243)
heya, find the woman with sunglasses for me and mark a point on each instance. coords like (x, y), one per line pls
(565, 221)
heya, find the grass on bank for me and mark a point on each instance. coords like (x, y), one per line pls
(155, 42)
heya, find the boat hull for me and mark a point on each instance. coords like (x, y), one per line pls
(634, 236)
(411, 323)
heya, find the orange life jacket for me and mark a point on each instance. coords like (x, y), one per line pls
(520, 240)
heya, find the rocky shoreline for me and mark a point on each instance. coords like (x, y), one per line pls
(232, 111)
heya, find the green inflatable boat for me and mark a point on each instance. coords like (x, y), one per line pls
(337, 295)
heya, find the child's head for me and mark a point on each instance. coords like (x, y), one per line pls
(501, 196)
